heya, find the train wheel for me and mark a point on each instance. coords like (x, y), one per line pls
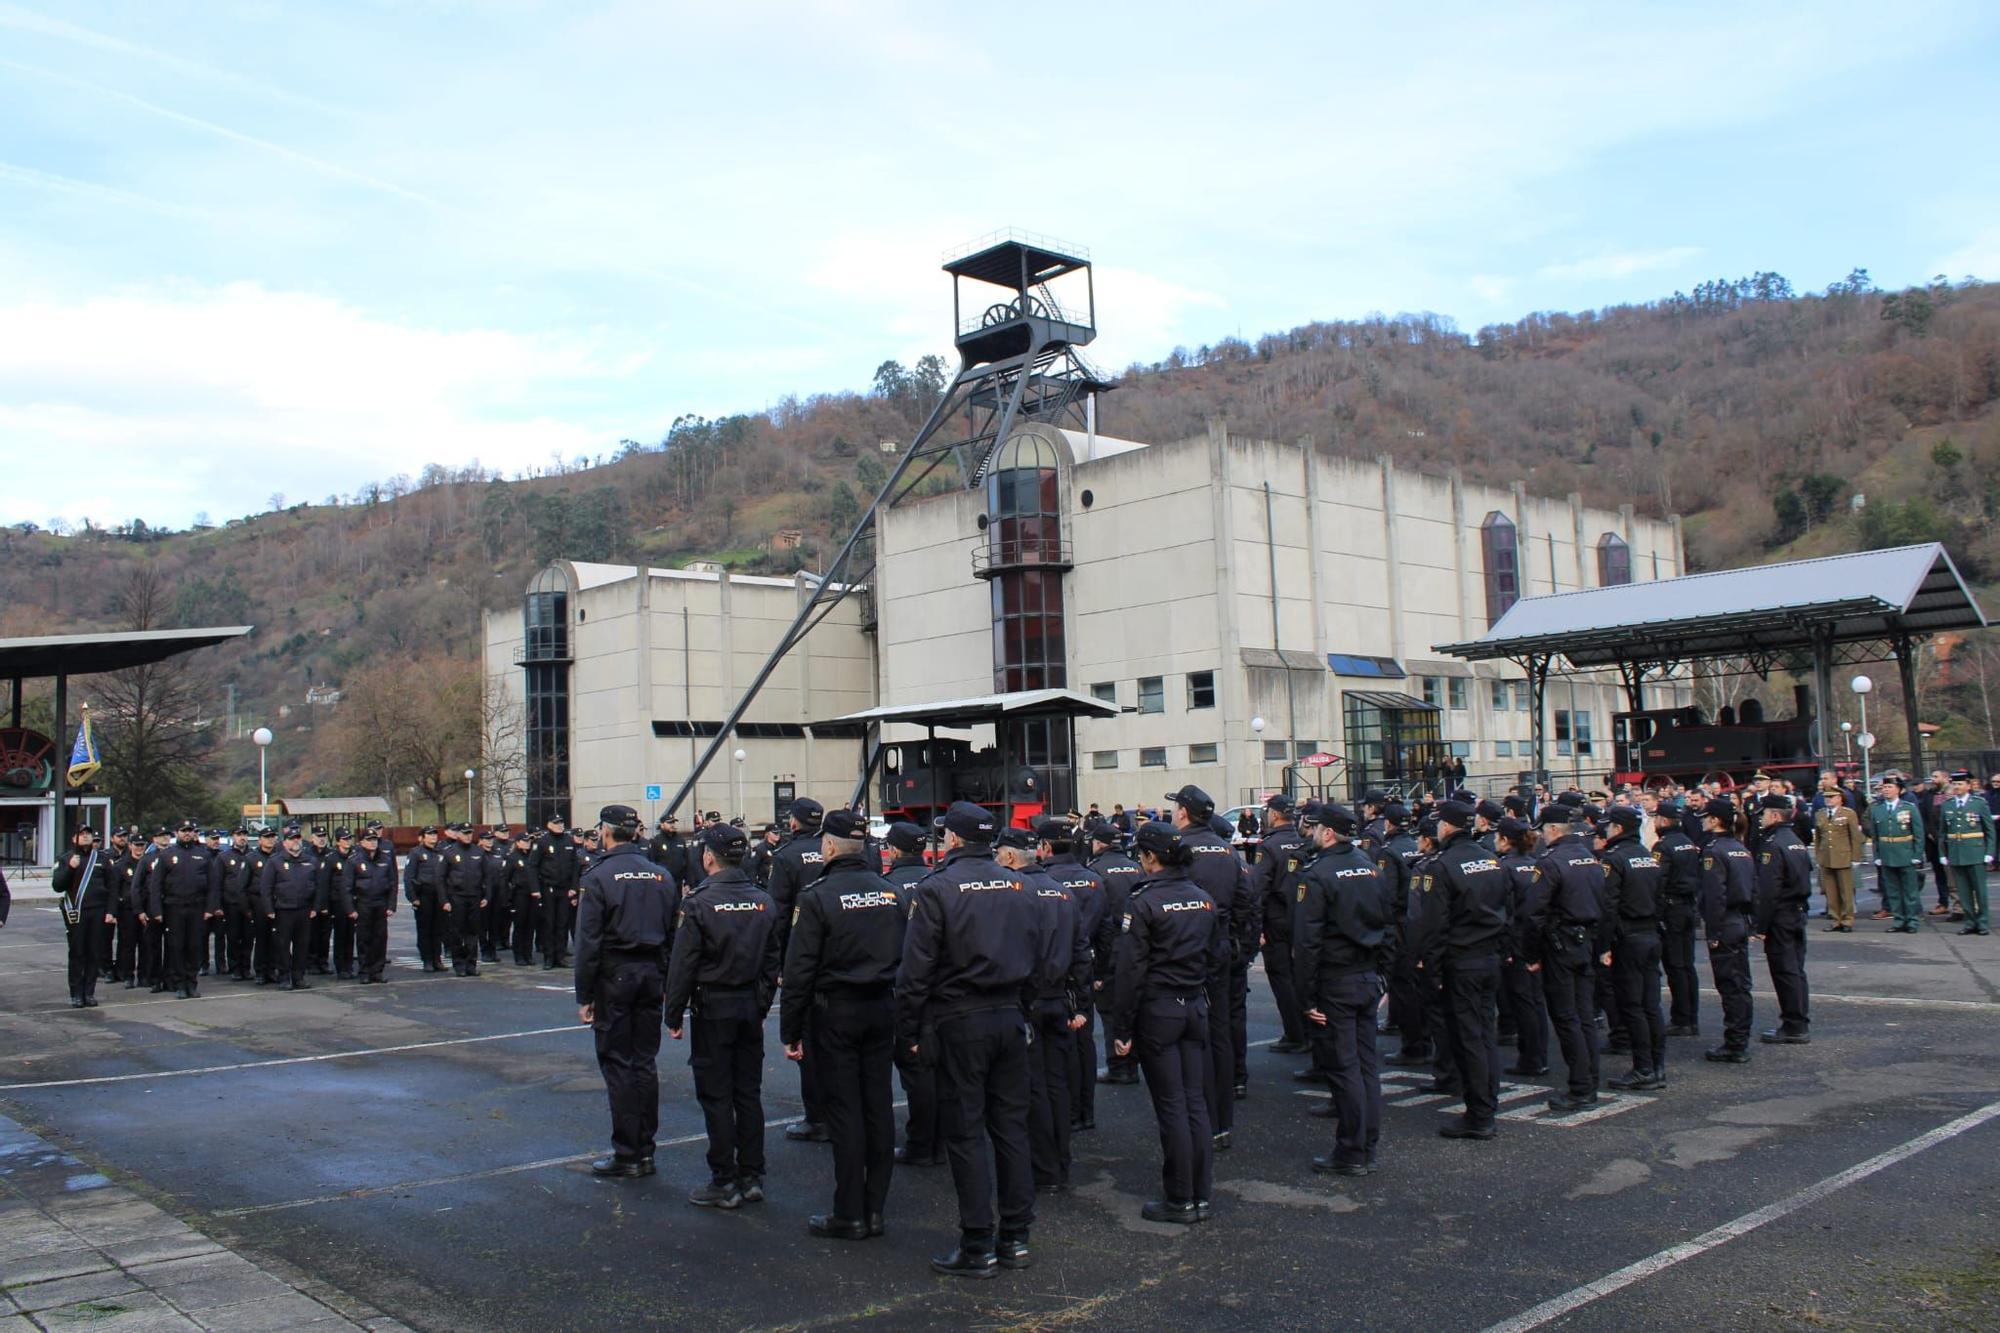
(1656, 782)
(1721, 779)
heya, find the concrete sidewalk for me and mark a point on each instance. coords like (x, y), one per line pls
(77, 1249)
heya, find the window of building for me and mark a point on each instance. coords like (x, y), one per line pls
(1499, 695)
(1498, 541)
(1614, 560)
(545, 629)
(1104, 758)
(1456, 692)
(1432, 691)
(1521, 696)
(1580, 724)
(1563, 746)
(1275, 752)
(1503, 749)
(1154, 756)
(1303, 748)
(1105, 690)
(1152, 694)
(1201, 689)
(1459, 749)
(1201, 754)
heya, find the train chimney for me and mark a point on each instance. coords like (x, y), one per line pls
(1802, 706)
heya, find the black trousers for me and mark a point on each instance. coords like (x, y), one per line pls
(921, 1134)
(1284, 991)
(1113, 1062)
(1785, 955)
(462, 925)
(809, 1081)
(1604, 1000)
(555, 927)
(1220, 1088)
(215, 945)
(983, 1079)
(1444, 1032)
(1729, 963)
(857, 1038)
(343, 944)
(153, 949)
(1677, 951)
(498, 907)
(371, 938)
(1523, 990)
(527, 925)
(319, 943)
(1472, 988)
(1170, 1037)
(1051, 1058)
(1406, 1002)
(1635, 971)
(625, 1023)
(1083, 1071)
(1349, 1058)
(239, 931)
(1568, 984)
(294, 933)
(131, 951)
(186, 936)
(430, 940)
(86, 953)
(728, 1065)
(1239, 1022)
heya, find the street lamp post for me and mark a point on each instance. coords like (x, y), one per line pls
(1847, 741)
(1861, 685)
(739, 757)
(470, 774)
(262, 737)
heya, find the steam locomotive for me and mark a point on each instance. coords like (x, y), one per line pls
(1659, 745)
(921, 778)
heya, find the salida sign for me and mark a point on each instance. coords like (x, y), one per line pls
(1320, 760)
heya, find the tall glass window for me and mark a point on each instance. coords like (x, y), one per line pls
(1614, 560)
(1498, 541)
(546, 659)
(1024, 530)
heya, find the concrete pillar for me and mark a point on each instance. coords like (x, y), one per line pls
(1234, 680)
(1462, 580)
(1393, 566)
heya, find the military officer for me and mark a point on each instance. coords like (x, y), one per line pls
(1968, 846)
(1896, 827)
(1784, 884)
(1837, 840)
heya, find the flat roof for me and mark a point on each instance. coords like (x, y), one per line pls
(336, 805)
(1906, 590)
(1006, 257)
(90, 654)
(985, 708)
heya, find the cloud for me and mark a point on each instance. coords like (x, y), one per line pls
(166, 401)
(1979, 257)
(1606, 267)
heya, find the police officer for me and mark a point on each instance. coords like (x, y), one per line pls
(1055, 848)
(1169, 944)
(523, 888)
(1120, 874)
(186, 893)
(794, 865)
(669, 850)
(341, 912)
(975, 945)
(153, 945)
(1466, 897)
(1410, 1005)
(1784, 883)
(1728, 897)
(725, 966)
(1562, 925)
(83, 882)
(238, 926)
(1897, 828)
(1214, 865)
(124, 860)
(1516, 842)
(1278, 857)
(291, 901)
(1680, 860)
(423, 884)
(370, 879)
(261, 942)
(556, 858)
(1635, 904)
(493, 888)
(923, 1141)
(464, 905)
(1343, 933)
(840, 965)
(1054, 1014)
(213, 936)
(319, 945)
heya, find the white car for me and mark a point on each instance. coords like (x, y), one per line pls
(878, 829)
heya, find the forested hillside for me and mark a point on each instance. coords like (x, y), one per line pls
(1776, 423)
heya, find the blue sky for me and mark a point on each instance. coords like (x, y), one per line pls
(261, 247)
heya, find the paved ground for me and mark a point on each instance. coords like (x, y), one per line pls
(419, 1150)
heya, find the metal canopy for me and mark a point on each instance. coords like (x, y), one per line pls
(1762, 610)
(984, 709)
(336, 805)
(1390, 703)
(1016, 264)
(90, 654)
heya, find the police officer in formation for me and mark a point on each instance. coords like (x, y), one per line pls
(795, 864)
(371, 887)
(1562, 923)
(1784, 883)
(1054, 1016)
(1635, 903)
(923, 1141)
(1055, 848)
(1215, 867)
(1728, 897)
(1465, 898)
(558, 866)
(82, 881)
(1343, 943)
(1120, 874)
(1278, 855)
(288, 896)
(1680, 859)
(521, 882)
(464, 904)
(184, 892)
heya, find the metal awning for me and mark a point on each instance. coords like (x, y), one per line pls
(1390, 703)
(986, 708)
(336, 805)
(90, 654)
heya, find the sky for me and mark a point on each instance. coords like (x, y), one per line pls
(251, 248)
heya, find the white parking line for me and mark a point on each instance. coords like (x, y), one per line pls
(1578, 1297)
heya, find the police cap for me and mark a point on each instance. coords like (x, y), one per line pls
(485, 834)
(1220, 826)
(1334, 815)
(1101, 830)
(1455, 812)
(1623, 817)
(618, 816)
(1427, 827)
(266, 831)
(1014, 836)
(1512, 828)
(1465, 796)
(1720, 807)
(1198, 803)
(187, 826)
(1590, 813)
(724, 840)
(905, 836)
(806, 810)
(1668, 808)
(1374, 796)
(1489, 810)
(291, 832)
(1514, 805)
(241, 832)
(1774, 801)
(1279, 803)
(319, 830)
(1052, 829)
(372, 834)
(844, 824)
(433, 828)
(974, 823)
(344, 834)
(1395, 813)
(1161, 839)
(552, 821)
(1555, 812)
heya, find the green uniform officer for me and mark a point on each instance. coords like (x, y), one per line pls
(1968, 849)
(1898, 830)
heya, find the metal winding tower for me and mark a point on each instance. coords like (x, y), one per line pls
(1022, 305)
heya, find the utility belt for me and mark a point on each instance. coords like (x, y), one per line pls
(1637, 925)
(847, 991)
(632, 956)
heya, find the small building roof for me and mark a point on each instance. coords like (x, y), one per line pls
(90, 654)
(335, 805)
(1907, 590)
(984, 708)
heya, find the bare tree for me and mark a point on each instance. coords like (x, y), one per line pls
(411, 723)
(157, 746)
(503, 744)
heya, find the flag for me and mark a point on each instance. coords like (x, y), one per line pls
(84, 760)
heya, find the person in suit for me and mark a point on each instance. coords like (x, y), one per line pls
(1837, 837)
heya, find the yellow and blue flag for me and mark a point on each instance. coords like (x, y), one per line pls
(84, 761)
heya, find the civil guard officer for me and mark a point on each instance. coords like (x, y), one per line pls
(1635, 903)
(1278, 857)
(1516, 842)
(624, 918)
(1055, 1013)
(1120, 873)
(186, 895)
(289, 891)
(371, 885)
(1897, 827)
(976, 944)
(1784, 883)
(1213, 864)
(923, 1141)
(1728, 898)
(423, 886)
(840, 965)
(794, 865)
(1465, 931)
(83, 881)
(1562, 925)
(1055, 847)
(1680, 859)
(1170, 941)
(1343, 936)
(725, 967)
(1966, 822)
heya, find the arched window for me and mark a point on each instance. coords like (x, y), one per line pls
(1025, 548)
(1499, 542)
(1614, 560)
(545, 659)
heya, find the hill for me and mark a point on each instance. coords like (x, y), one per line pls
(1761, 415)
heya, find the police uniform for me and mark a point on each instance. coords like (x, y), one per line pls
(238, 925)
(625, 909)
(1635, 902)
(725, 965)
(319, 947)
(1728, 897)
(464, 905)
(83, 882)
(1531, 1006)
(970, 960)
(1465, 905)
(923, 1141)
(423, 886)
(556, 868)
(1120, 874)
(153, 944)
(1680, 859)
(371, 885)
(794, 865)
(290, 891)
(1278, 857)
(128, 952)
(262, 937)
(1214, 865)
(1410, 1007)
(1099, 929)
(499, 903)
(1064, 973)
(844, 947)
(1897, 827)
(523, 887)
(1559, 936)
(1169, 944)
(1343, 933)
(185, 893)
(1784, 884)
